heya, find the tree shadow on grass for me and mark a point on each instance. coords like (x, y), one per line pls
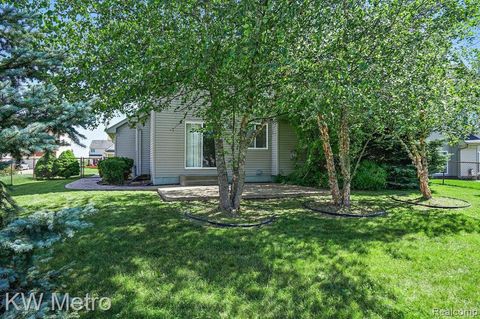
(153, 263)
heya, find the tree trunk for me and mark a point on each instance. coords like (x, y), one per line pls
(330, 163)
(344, 155)
(224, 203)
(238, 186)
(418, 155)
(240, 153)
(423, 179)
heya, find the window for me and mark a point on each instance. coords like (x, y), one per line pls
(199, 147)
(261, 140)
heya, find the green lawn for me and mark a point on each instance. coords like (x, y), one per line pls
(460, 183)
(90, 171)
(153, 263)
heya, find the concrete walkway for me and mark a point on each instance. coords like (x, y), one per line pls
(251, 191)
(91, 184)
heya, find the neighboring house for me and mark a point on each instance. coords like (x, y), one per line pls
(168, 147)
(464, 158)
(100, 149)
(32, 159)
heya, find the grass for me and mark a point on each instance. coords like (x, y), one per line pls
(153, 263)
(473, 184)
(90, 171)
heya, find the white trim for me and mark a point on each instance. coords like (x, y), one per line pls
(255, 140)
(153, 124)
(275, 159)
(472, 142)
(185, 147)
(139, 151)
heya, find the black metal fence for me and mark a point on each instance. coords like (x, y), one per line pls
(18, 172)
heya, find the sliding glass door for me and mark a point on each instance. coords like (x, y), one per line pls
(199, 147)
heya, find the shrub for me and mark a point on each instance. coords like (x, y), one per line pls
(45, 166)
(66, 165)
(99, 167)
(115, 170)
(370, 176)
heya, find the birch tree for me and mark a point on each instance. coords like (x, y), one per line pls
(350, 52)
(219, 57)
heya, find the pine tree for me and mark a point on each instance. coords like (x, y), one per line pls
(33, 113)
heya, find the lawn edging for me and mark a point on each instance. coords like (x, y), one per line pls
(467, 204)
(346, 215)
(267, 221)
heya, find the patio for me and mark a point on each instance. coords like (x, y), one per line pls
(251, 191)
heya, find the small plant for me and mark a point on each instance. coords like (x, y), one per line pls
(45, 166)
(66, 165)
(115, 170)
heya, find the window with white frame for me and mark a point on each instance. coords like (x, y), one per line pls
(199, 147)
(261, 140)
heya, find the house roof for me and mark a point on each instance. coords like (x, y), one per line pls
(101, 144)
(473, 139)
(113, 129)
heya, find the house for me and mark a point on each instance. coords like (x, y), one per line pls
(168, 147)
(100, 149)
(464, 158)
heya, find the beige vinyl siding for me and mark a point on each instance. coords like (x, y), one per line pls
(170, 152)
(126, 146)
(287, 143)
(145, 129)
(468, 154)
(125, 142)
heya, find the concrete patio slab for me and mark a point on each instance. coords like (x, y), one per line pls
(91, 184)
(252, 191)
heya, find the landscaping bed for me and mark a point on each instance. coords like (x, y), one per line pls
(249, 216)
(434, 202)
(358, 208)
